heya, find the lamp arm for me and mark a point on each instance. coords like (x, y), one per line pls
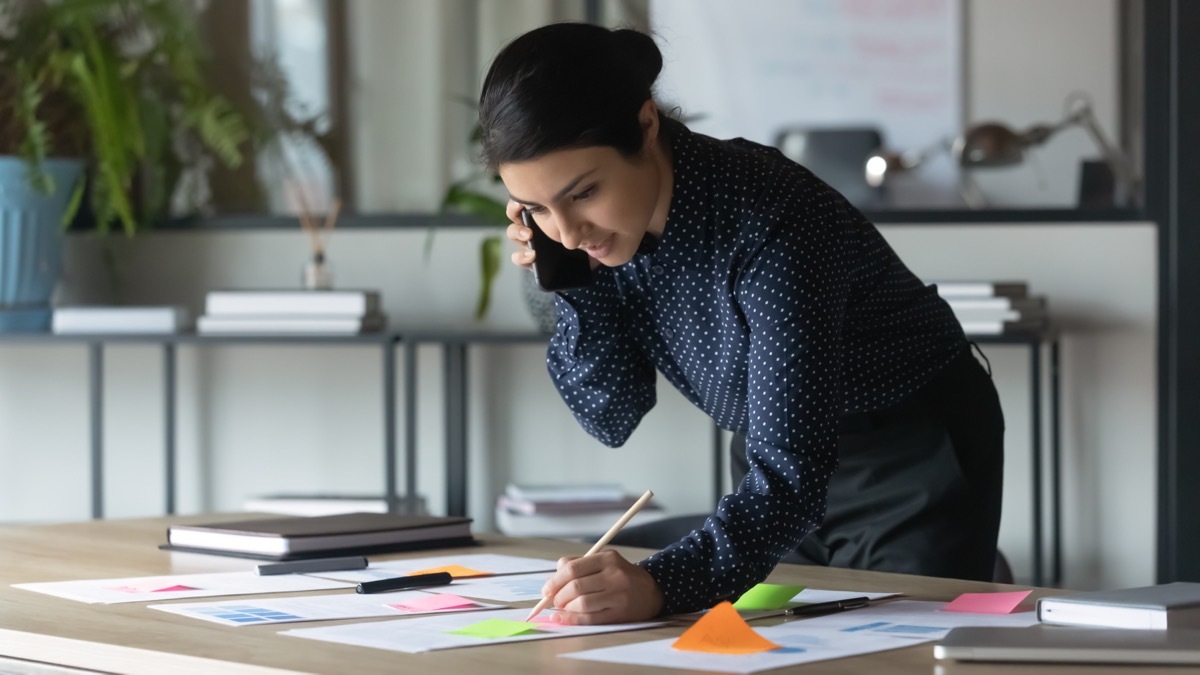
(1115, 160)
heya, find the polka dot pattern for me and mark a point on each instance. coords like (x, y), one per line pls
(775, 307)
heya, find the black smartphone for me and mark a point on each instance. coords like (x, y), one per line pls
(555, 267)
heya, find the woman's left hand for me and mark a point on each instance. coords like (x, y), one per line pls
(602, 588)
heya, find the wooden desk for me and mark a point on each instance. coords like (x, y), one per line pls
(129, 638)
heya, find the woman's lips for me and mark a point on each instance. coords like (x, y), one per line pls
(600, 250)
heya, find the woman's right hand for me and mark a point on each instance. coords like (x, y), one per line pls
(520, 234)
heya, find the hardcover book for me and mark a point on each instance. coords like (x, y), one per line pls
(340, 534)
(285, 302)
(981, 289)
(118, 320)
(289, 325)
(1174, 605)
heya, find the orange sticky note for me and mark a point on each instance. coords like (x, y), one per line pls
(456, 571)
(986, 603)
(723, 631)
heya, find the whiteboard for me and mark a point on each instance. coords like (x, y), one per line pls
(753, 67)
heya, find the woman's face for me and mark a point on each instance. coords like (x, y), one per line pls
(592, 198)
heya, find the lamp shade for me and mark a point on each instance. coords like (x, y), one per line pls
(989, 145)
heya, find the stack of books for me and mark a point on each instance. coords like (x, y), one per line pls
(318, 536)
(994, 307)
(288, 312)
(567, 511)
(97, 320)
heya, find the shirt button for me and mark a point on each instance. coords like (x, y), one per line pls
(668, 333)
(657, 269)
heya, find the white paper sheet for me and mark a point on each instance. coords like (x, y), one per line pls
(482, 562)
(890, 625)
(502, 589)
(177, 586)
(812, 595)
(434, 632)
(309, 608)
(797, 647)
(912, 619)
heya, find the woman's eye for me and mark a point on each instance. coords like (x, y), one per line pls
(535, 210)
(585, 194)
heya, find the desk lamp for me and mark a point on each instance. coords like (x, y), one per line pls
(992, 144)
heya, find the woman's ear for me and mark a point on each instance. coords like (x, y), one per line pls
(648, 120)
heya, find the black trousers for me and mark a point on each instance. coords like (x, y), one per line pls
(917, 489)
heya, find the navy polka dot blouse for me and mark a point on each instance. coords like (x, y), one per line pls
(775, 307)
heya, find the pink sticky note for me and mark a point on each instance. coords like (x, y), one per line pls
(545, 618)
(987, 603)
(434, 603)
(174, 588)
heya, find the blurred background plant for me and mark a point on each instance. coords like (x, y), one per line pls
(479, 196)
(120, 84)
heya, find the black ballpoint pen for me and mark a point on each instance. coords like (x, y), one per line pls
(832, 606)
(403, 583)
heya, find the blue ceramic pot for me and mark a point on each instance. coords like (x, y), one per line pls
(31, 241)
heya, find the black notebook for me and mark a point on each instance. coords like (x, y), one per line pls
(300, 537)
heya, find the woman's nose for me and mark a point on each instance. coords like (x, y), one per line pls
(570, 232)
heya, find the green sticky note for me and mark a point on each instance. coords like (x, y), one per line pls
(767, 596)
(495, 628)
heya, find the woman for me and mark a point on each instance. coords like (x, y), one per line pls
(771, 304)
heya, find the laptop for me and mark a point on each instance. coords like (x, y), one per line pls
(1058, 644)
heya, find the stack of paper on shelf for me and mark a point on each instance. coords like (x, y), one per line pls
(97, 320)
(568, 511)
(288, 312)
(318, 504)
(994, 307)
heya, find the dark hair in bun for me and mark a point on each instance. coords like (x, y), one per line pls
(564, 86)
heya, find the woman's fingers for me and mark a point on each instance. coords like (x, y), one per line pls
(523, 258)
(603, 588)
(520, 235)
(513, 209)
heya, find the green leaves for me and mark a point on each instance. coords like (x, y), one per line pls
(35, 146)
(122, 80)
(222, 129)
(490, 252)
(486, 209)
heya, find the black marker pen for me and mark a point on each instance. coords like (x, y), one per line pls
(403, 583)
(832, 606)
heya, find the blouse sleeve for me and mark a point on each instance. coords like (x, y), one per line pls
(599, 371)
(792, 293)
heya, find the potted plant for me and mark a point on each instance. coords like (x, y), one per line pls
(475, 196)
(467, 196)
(103, 98)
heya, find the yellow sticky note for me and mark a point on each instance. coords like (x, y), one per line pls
(456, 571)
(767, 596)
(722, 631)
(495, 628)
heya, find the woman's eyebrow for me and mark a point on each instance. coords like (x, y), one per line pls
(561, 193)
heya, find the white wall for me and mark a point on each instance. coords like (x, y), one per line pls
(1101, 285)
